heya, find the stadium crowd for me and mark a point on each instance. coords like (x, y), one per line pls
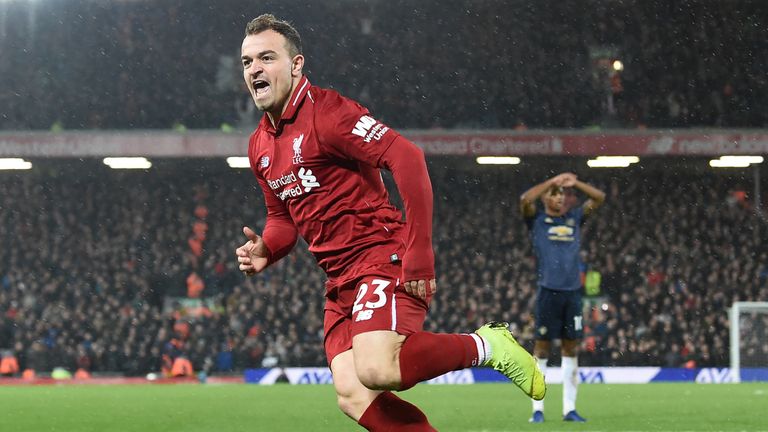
(95, 264)
(427, 64)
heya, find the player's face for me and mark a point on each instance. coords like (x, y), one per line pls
(554, 200)
(269, 71)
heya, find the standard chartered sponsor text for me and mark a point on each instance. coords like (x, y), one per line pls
(282, 181)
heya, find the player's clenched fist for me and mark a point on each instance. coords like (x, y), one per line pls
(419, 288)
(253, 255)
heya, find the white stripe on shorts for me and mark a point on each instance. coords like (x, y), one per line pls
(394, 306)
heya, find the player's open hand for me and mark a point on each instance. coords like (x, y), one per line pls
(253, 255)
(421, 288)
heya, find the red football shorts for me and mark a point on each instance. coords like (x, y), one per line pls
(375, 300)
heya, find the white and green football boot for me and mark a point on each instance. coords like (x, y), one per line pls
(512, 360)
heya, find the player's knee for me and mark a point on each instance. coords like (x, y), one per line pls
(352, 404)
(351, 398)
(541, 349)
(570, 347)
(378, 376)
(572, 352)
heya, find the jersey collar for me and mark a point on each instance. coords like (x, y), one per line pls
(297, 97)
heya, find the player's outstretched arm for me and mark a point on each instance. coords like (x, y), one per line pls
(529, 197)
(409, 169)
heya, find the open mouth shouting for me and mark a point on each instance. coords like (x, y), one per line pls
(260, 87)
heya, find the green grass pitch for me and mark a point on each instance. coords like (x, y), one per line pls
(311, 408)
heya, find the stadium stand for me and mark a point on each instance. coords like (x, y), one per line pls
(487, 64)
(93, 260)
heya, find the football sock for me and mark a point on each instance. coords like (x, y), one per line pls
(389, 413)
(570, 383)
(538, 405)
(427, 355)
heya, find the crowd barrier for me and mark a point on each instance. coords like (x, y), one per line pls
(322, 375)
(586, 375)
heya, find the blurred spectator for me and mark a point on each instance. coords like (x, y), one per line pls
(430, 64)
(9, 364)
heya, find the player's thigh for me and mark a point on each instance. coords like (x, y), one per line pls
(352, 396)
(337, 332)
(367, 303)
(378, 350)
(384, 314)
(573, 328)
(548, 314)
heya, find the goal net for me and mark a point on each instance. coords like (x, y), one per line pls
(749, 341)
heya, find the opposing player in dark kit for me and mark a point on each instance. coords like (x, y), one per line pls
(556, 234)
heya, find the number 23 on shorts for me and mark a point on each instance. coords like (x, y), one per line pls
(370, 296)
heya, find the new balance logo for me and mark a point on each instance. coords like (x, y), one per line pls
(364, 315)
(307, 179)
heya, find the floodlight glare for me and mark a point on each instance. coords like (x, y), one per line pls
(749, 159)
(238, 162)
(498, 160)
(127, 162)
(612, 161)
(735, 161)
(14, 164)
(719, 163)
(598, 163)
(630, 159)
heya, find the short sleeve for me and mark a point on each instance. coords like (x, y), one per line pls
(347, 129)
(579, 215)
(529, 220)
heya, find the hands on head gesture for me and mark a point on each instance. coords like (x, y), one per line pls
(566, 179)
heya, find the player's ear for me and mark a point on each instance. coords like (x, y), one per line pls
(297, 65)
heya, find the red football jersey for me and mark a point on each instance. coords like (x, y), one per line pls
(319, 170)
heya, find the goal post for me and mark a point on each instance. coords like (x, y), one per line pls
(749, 337)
